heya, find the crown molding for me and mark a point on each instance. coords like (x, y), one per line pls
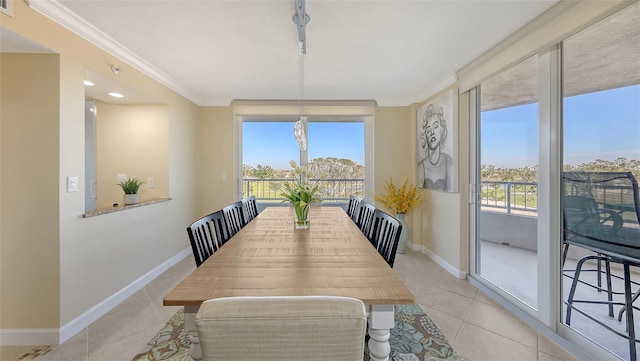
(420, 96)
(72, 22)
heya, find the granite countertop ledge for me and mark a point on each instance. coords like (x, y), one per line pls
(98, 212)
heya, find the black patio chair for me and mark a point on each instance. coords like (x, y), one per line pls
(601, 213)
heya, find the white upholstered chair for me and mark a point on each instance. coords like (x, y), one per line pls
(283, 328)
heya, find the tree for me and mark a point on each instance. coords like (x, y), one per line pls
(335, 168)
(335, 171)
(263, 171)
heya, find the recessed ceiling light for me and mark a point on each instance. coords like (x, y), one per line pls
(116, 95)
(88, 83)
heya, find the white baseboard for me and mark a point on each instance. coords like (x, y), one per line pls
(29, 337)
(54, 336)
(440, 261)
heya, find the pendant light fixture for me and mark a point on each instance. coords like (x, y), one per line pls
(301, 19)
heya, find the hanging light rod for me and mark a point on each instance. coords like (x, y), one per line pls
(301, 19)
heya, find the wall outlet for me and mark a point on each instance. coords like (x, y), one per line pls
(121, 178)
(151, 182)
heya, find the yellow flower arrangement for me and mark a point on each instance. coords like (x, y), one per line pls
(400, 200)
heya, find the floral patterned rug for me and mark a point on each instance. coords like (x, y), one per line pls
(414, 338)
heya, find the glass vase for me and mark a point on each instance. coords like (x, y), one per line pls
(302, 216)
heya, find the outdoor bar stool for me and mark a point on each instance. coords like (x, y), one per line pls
(606, 236)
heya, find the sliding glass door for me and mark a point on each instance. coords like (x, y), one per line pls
(601, 121)
(571, 109)
(506, 243)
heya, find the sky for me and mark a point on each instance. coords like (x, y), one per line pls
(273, 143)
(600, 125)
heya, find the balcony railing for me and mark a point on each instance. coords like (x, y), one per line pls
(511, 196)
(335, 190)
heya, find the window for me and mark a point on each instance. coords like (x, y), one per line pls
(335, 156)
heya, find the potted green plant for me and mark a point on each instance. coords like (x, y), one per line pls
(130, 187)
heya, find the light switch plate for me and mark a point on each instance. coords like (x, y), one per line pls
(151, 182)
(72, 184)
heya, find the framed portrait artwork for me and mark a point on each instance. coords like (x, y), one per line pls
(437, 122)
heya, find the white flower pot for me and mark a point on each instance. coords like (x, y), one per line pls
(131, 199)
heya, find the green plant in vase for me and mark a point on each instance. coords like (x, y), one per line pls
(300, 193)
(130, 187)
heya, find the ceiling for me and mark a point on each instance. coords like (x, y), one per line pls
(395, 52)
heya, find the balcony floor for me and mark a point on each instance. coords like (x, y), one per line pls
(514, 270)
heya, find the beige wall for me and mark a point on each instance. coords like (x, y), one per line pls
(441, 224)
(131, 140)
(218, 149)
(29, 242)
(394, 152)
(101, 255)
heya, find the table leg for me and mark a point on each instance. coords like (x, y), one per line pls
(190, 325)
(381, 321)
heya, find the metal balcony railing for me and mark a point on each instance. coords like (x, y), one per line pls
(512, 196)
(523, 197)
(335, 190)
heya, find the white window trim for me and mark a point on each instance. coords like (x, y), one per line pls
(314, 110)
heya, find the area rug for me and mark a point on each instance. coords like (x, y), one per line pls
(414, 338)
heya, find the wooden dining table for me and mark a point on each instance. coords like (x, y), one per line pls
(268, 257)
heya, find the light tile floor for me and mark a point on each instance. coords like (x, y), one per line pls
(478, 328)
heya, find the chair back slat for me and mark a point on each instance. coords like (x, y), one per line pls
(249, 208)
(353, 207)
(365, 218)
(206, 236)
(234, 218)
(385, 235)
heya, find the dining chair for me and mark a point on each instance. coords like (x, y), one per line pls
(249, 208)
(282, 328)
(385, 235)
(234, 217)
(206, 235)
(353, 207)
(365, 217)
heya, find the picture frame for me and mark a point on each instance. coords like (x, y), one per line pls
(437, 143)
